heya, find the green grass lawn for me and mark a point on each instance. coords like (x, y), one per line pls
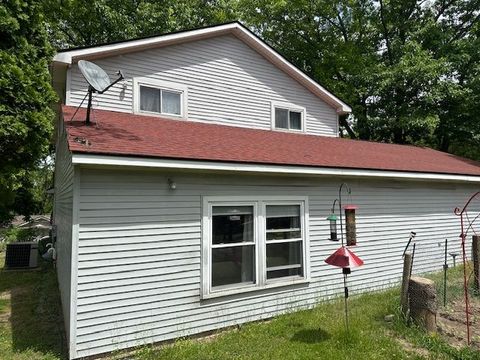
(31, 328)
(320, 334)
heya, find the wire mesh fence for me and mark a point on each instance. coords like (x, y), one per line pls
(451, 303)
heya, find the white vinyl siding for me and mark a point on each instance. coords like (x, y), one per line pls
(228, 83)
(63, 221)
(139, 276)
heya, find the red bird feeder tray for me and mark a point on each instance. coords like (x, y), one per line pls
(344, 258)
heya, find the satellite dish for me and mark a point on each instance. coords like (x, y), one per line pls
(98, 81)
(96, 77)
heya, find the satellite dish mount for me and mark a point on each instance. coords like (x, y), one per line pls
(98, 81)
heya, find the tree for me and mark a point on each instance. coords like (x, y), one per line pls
(459, 106)
(25, 99)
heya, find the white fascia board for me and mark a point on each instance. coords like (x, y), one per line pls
(68, 57)
(126, 161)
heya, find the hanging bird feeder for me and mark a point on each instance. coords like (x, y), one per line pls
(350, 221)
(333, 227)
(350, 225)
(333, 224)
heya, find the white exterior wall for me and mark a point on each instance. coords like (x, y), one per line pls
(228, 83)
(139, 273)
(63, 220)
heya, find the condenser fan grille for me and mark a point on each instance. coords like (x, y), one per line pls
(21, 255)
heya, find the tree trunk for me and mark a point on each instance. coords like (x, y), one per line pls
(343, 122)
(423, 302)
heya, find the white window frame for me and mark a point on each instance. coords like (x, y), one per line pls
(259, 203)
(161, 85)
(289, 107)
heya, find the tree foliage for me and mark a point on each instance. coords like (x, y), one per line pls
(73, 24)
(25, 97)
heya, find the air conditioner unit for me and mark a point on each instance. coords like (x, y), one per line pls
(21, 255)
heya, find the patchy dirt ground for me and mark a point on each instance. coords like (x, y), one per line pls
(451, 322)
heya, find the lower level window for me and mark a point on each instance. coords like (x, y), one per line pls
(233, 247)
(249, 245)
(284, 241)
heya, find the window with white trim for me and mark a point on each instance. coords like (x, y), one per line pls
(159, 98)
(233, 245)
(254, 244)
(288, 117)
(284, 241)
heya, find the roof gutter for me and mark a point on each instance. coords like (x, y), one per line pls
(126, 161)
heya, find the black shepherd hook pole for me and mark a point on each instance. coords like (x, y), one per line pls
(346, 271)
(445, 268)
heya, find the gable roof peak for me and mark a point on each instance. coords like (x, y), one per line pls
(235, 28)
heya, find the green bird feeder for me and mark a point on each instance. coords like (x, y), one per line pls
(333, 227)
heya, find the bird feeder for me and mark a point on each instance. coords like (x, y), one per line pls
(345, 259)
(350, 224)
(333, 227)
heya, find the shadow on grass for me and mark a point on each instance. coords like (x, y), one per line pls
(311, 336)
(34, 310)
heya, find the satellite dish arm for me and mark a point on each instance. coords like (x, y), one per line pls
(120, 78)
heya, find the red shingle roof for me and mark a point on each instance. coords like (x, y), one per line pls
(124, 134)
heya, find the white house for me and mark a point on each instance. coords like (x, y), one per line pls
(197, 198)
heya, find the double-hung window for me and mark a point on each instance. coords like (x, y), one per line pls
(232, 245)
(159, 98)
(284, 241)
(255, 243)
(287, 117)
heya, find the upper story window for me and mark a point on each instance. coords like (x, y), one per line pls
(158, 97)
(160, 101)
(288, 117)
(252, 244)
